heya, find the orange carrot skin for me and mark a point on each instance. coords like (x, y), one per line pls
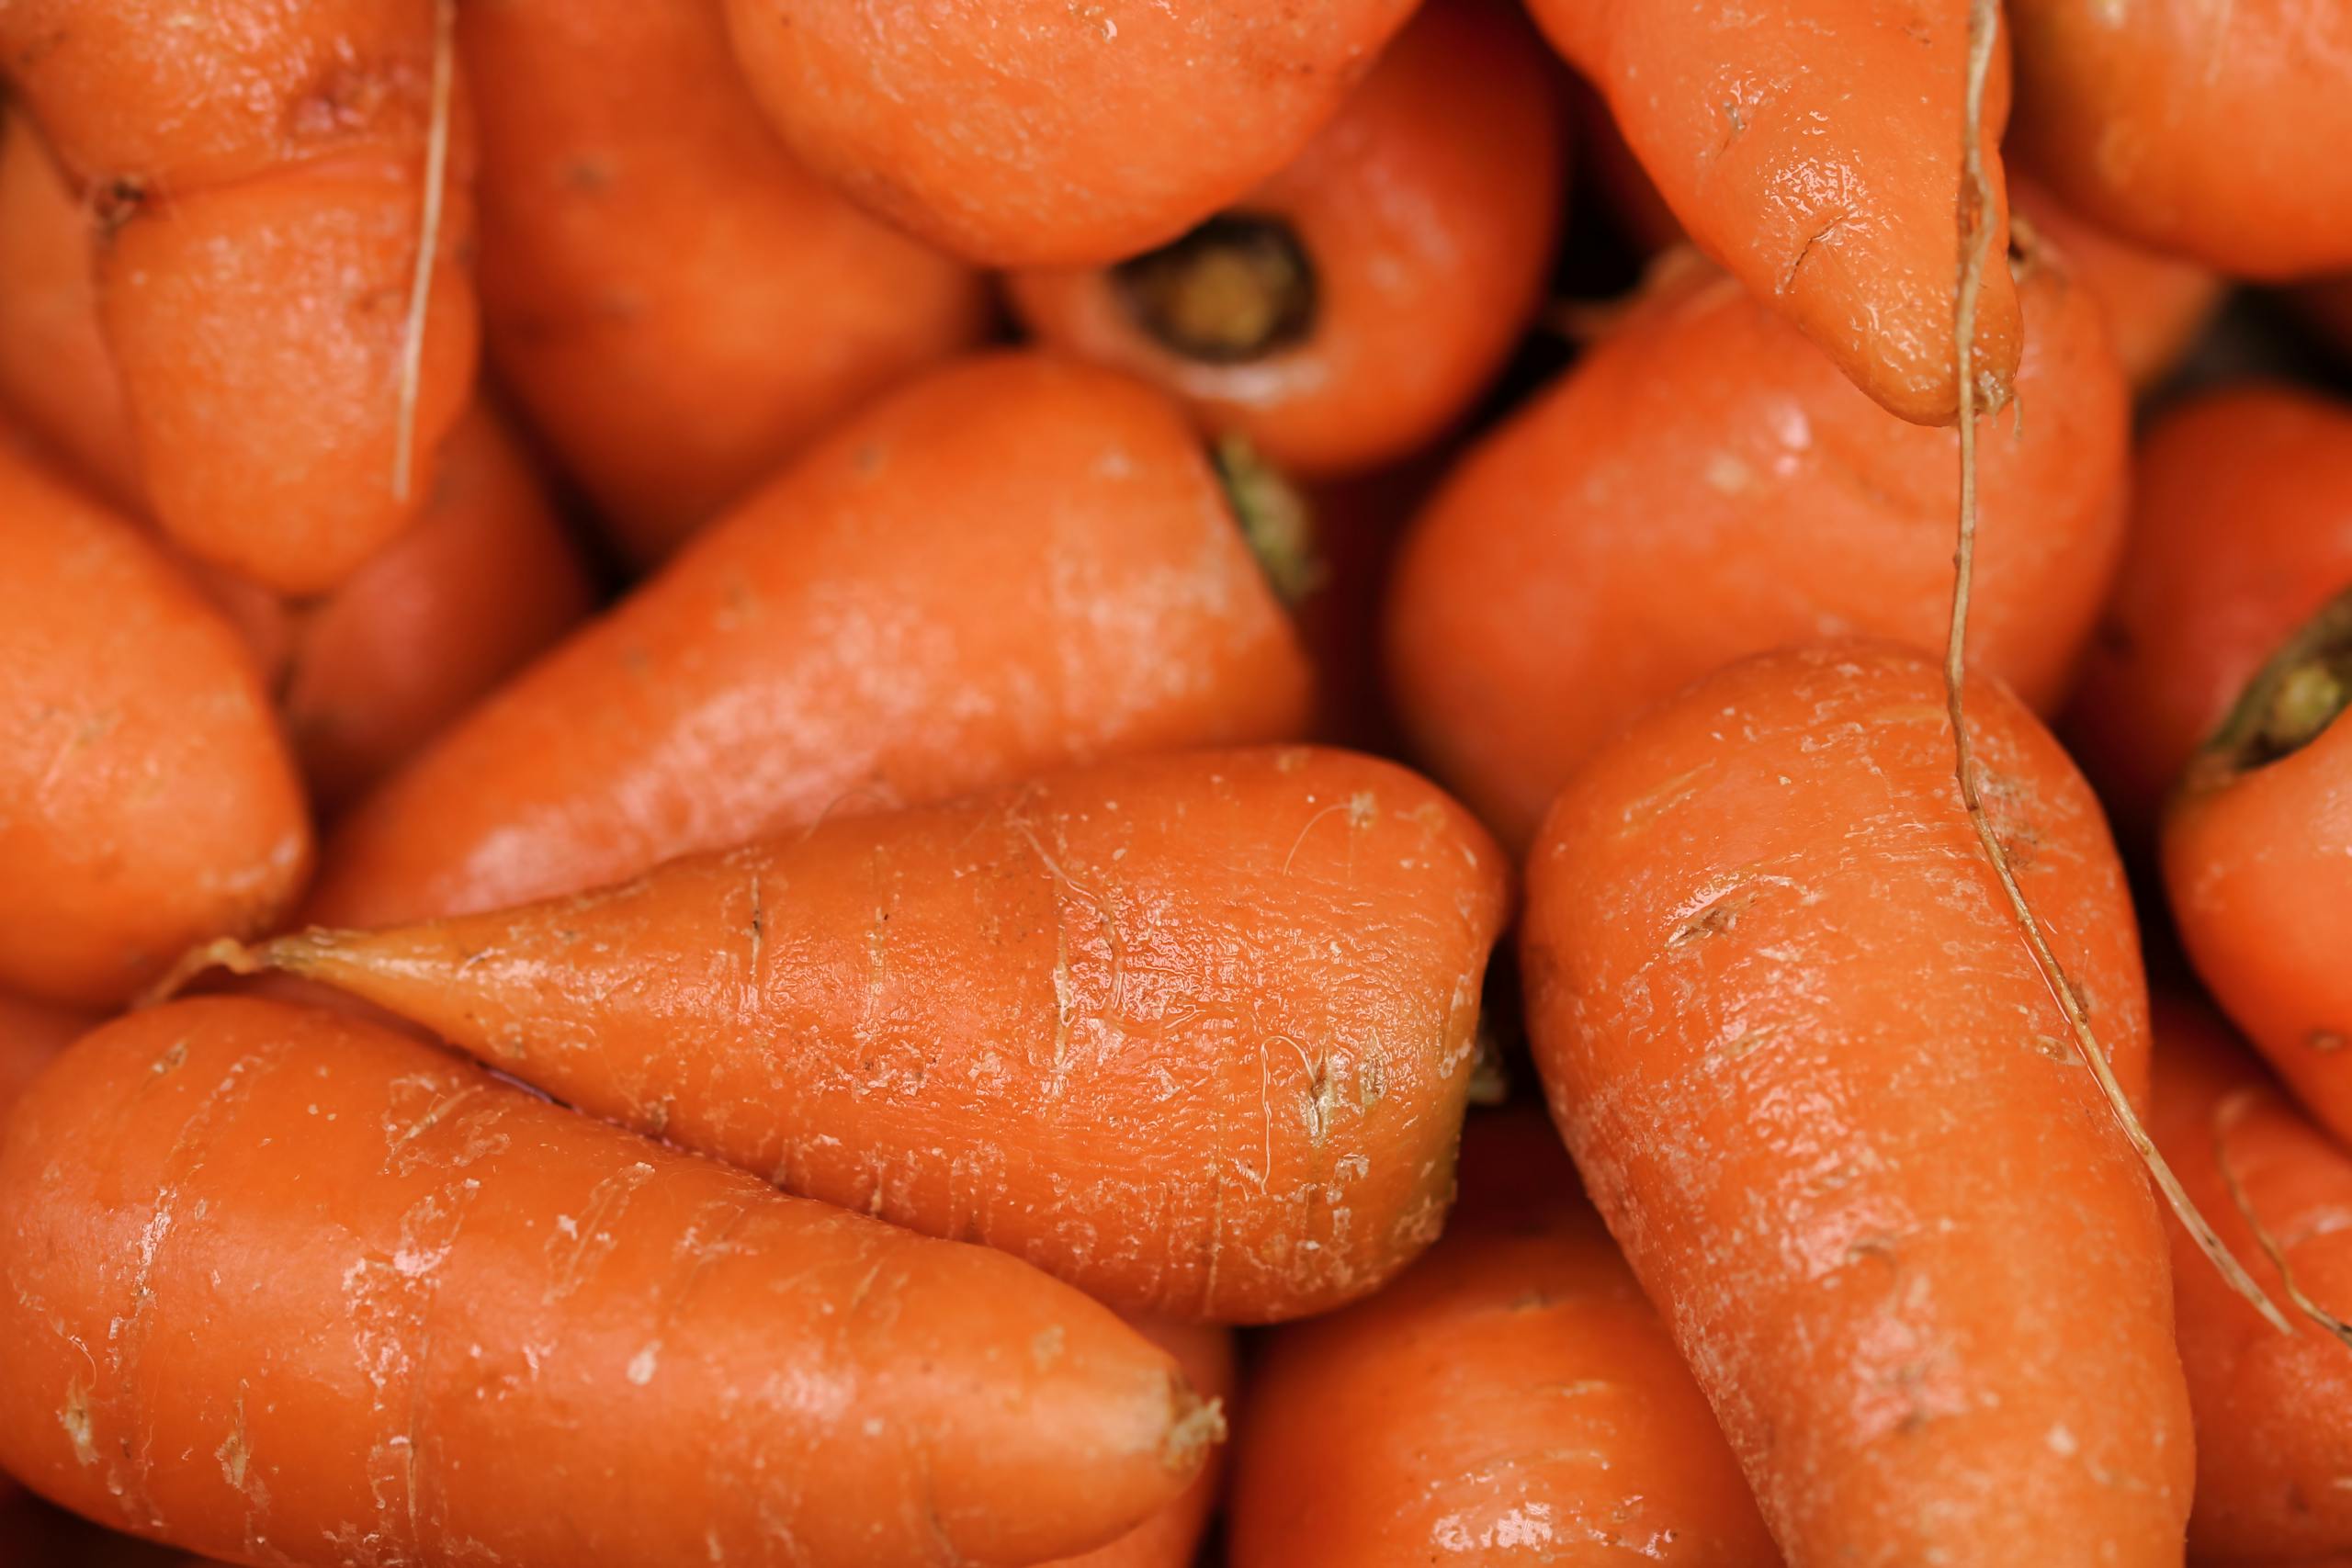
(1172, 1537)
(2196, 607)
(1702, 485)
(31, 1033)
(1811, 148)
(1427, 209)
(1192, 1032)
(263, 172)
(1009, 565)
(146, 798)
(1512, 1399)
(484, 581)
(56, 374)
(2155, 304)
(2192, 129)
(414, 1314)
(2270, 1436)
(1033, 133)
(1791, 1035)
(2259, 868)
(678, 304)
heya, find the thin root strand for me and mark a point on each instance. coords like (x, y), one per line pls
(1974, 204)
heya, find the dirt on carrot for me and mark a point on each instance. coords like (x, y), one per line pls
(1819, 1090)
(1009, 565)
(1192, 1032)
(1808, 147)
(403, 1304)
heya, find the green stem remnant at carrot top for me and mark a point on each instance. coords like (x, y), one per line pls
(1274, 519)
(1975, 202)
(1238, 287)
(2294, 696)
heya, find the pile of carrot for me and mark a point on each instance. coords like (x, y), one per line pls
(1165, 784)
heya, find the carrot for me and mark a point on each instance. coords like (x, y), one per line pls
(1009, 565)
(2195, 128)
(1823, 1097)
(2155, 304)
(2271, 1443)
(31, 1033)
(1512, 1398)
(1038, 133)
(146, 799)
(678, 304)
(1172, 1537)
(410, 1313)
(1701, 485)
(262, 176)
(1192, 1032)
(484, 581)
(1350, 308)
(2257, 847)
(1807, 146)
(2197, 606)
(56, 375)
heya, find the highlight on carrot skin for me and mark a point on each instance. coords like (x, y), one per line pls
(1349, 309)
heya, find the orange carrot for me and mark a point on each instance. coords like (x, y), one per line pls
(1192, 1032)
(1511, 1399)
(2195, 128)
(1824, 1099)
(2155, 304)
(2272, 1447)
(1349, 309)
(483, 581)
(146, 799)
(1009, 565)
(1702, 485)
(2257, 848)
(679, 306)
(279, 1284)
(56, 375)
(1039, 134)
(263, 177)
(31, 1033)
(1807, 146)
(2197, 607)
(1172, 1537)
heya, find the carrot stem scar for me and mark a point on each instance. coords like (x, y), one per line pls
(1235, 288)
(1975, 248)
(2298, 692)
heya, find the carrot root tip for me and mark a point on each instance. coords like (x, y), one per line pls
(221, 953)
